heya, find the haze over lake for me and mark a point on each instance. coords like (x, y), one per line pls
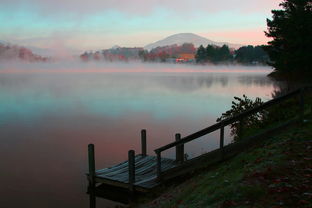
(49, 114)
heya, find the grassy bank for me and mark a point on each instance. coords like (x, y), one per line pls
(276, 174)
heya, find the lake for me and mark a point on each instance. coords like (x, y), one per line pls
(48, 117)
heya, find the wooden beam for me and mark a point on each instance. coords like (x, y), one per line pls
(179, 149)
(143, 142)
(91, 165)
(131, 162)
(92, 197)
(158, 168)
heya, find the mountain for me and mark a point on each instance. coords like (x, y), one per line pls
(181, 38)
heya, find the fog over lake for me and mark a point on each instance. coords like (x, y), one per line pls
(49, 113)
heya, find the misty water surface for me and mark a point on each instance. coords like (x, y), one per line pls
(48, 119)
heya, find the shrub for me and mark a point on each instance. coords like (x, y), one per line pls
(253, 121)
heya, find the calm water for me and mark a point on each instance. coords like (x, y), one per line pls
(48, 119)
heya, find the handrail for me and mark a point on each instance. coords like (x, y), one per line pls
(225, 122)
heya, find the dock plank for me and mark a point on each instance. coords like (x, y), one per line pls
(145, 172)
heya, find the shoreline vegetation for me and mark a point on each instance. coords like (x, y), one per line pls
(186, 53)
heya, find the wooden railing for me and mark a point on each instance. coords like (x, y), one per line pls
(179, 142)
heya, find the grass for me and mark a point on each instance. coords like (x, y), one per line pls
(276, 174)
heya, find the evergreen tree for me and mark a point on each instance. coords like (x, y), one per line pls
(250, 55)
(244, 54)
(224, 54)
(211, 53)
(290, 50)
(201, 56)
(260, 55)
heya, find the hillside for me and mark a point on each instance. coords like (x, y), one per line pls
(181, 38)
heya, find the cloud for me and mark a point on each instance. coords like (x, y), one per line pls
(91, 24)
(252, 36)
(139, 7)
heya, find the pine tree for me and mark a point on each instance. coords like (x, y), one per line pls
(201, 56)
(290, 51)
(211, 53)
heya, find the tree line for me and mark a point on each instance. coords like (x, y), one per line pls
(290, 28)
(163, 53)
(244, 55)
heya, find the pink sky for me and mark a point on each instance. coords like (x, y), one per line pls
(76, 25)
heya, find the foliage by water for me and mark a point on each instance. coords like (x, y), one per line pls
(291, 32)
(243, 55)
(240, 105)
(264, 118)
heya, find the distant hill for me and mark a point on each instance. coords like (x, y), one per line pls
(181, 38)
(116, 53)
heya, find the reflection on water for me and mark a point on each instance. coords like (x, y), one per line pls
(47, 120)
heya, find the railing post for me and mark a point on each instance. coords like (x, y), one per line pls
(143, 142)
(131, 164)
(179, 149)
(91, 175)
(221, 138)
(91, 165)
(158, 165)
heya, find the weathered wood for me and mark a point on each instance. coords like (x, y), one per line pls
(92, 198)
(148, 175)
(158, 165)
(91, 158)
(145, 173)
(91, 165)
(179, 149)
(121, 167)
(230, 150)
(222, 136)
(113, 193)
(131, 162)
(143, 142)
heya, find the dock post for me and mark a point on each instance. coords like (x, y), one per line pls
(91, 175)
(143, 142)
(179, 149)
(131, 163)
(221, 139)
(158, 165)
(91, 164)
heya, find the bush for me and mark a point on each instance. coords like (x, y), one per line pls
(253, 121)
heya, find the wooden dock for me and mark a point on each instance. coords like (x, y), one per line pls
(141, 173)
(145, 173)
